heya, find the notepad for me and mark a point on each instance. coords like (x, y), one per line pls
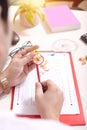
(61, 71)
(61, 18)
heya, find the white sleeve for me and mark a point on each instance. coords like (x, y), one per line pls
(10, 122)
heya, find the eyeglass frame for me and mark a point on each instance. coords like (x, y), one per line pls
(16, 50)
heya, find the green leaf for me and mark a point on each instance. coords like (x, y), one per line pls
(28, 10)
(41, 14)
(29, 17)
(19, 10)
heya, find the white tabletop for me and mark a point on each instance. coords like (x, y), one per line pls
(45, 39)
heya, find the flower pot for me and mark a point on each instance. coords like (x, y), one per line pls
(25, 23)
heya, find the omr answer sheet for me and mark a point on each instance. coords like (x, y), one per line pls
(60, 71)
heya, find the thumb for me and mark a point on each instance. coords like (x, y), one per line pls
(38, 89)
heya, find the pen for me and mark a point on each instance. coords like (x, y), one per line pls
(48, 51)
(38, 73)
(38, 76)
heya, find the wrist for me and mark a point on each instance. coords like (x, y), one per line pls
(4, 84)
(50, 116)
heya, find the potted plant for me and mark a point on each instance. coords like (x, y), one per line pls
(29, 10)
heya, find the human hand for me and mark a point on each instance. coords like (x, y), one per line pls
(49, 103)
(20, 66)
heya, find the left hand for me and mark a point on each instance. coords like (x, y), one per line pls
(20, 66)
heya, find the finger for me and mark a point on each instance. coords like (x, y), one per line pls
(50, 84)
(31, 67)
(38, 89)
(44, 86)
(27, 59)
(28, 49)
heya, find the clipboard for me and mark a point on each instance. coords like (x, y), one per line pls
(69, 119)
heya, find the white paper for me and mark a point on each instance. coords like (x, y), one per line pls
(60, 72)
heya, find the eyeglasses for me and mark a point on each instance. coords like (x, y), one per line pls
(24, 45)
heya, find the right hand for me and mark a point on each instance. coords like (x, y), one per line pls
(49, 103)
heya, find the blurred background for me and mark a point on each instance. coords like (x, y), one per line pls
(76, 4)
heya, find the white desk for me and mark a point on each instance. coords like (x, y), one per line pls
(45, 39)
